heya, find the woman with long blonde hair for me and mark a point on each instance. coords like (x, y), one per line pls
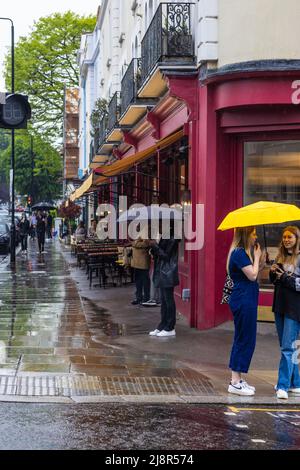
(243, 265)
(285, 275)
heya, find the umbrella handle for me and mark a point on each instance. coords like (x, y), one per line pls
(266, 248)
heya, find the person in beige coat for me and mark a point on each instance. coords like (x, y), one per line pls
(140, 261)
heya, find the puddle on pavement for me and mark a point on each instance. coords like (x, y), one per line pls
(99, 318)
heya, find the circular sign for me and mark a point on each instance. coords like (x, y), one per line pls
(15, 110)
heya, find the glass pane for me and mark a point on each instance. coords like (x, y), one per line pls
(272, 173)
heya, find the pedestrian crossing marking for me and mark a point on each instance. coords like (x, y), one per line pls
(277, 410)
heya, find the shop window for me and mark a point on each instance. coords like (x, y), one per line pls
(147, 182)
(272, 173)
(174, 178)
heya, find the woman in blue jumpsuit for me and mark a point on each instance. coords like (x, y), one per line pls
(243, 268)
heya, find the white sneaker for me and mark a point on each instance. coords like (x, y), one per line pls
(154, 332)
(165, 333)
(295, 390)
(240, 389)
(249, 386)
(149, 303)
(282, 394)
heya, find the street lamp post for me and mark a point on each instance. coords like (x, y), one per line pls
(12, 162)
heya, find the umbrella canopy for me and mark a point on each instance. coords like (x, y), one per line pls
(43, 206)
(150, 213)
(260, 213)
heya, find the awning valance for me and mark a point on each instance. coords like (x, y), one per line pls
(102, 173)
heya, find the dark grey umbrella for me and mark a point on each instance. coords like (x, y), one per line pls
(43, 206)
(151, 212)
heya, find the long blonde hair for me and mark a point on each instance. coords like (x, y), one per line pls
(241, 239)
(282, 251)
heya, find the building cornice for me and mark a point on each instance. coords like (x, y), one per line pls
(249, 67)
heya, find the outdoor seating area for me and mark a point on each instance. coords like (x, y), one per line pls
(102, 261)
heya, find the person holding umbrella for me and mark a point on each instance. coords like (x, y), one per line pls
(285, 275)
(165, 276)
(41, 231)
(243, 267)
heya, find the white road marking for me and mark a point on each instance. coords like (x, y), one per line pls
(258, 441)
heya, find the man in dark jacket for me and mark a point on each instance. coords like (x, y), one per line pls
(24, 231)
(40, 231)
(165, 277)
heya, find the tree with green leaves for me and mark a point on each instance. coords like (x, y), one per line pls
(37, 173)
(45, 62)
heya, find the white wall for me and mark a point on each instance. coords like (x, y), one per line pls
(258, 30)
(206, 30)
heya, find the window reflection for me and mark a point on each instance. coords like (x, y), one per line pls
(272, 173)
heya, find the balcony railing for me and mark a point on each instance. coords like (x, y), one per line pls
(113, 112)
(168, 37)
(100, 135)
(130, 84)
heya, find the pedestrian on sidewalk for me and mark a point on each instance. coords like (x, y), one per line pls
(165, 277)
(41, 231)
(154, 291)
(32, 222)
(140, 261)
(24, 228)
(49, 221)
(243, 264)
(285, 275)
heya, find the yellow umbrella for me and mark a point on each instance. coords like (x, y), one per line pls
(260, 213)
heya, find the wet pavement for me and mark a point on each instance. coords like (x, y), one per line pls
(52, 344)
(138, 427)
(64, 342)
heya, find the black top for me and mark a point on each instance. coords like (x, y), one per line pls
(165, 254)
(24, 227)
(286, 299)
(40, 225)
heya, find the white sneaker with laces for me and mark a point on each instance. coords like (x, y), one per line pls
(249, 386)
(240, 389)
(282, 394)
(154, 332)
(295, 390)
(164, 333)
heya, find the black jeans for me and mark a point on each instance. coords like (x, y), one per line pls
(41, 240)
(142, 282)
(167, 310)
(24, 242)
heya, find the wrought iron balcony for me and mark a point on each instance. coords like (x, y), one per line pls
(130, 84)
(113, 112)
(100, 135)
(168, 38)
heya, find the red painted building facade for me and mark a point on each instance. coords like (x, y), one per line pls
(242, 135)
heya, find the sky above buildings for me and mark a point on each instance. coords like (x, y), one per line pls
(24, 13)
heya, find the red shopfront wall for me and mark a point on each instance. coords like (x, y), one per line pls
(230, 113)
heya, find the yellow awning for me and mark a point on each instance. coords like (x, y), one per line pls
(127, 162)
(122, 165)
(83, 188)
